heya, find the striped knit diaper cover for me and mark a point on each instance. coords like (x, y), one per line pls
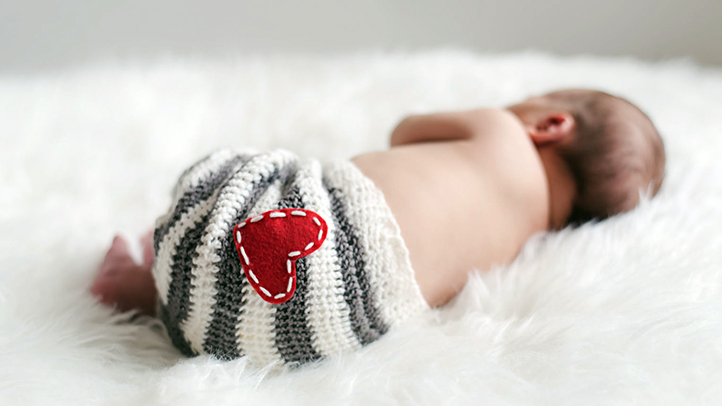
(348, 292)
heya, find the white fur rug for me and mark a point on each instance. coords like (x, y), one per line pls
(627, 311)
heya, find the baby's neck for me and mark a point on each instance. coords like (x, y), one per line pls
(561, 188)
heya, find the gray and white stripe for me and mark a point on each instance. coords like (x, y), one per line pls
(230, 201)
(180, 231)
(255, 324)
(199, 172)
(294, 337)
(197, 184)
(167, 248)
(328, 313)
(365, 317)
(349, 292)
(388, 269)
(230, 278)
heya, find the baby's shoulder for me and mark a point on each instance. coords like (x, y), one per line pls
(491, 123)
(504, 156)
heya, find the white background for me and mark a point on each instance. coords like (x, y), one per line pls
(38, 35)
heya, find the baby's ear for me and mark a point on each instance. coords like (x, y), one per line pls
(551, 128)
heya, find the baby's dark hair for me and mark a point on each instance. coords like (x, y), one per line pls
(615, 154)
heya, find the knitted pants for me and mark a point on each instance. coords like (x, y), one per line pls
(348, 293)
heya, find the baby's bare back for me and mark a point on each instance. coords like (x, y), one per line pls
(464, 203)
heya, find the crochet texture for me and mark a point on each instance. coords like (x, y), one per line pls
(349, 292)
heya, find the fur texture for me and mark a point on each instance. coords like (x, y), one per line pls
(628, 310)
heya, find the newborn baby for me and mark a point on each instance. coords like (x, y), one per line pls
(287, 260)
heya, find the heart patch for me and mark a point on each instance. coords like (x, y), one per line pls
(269, 245)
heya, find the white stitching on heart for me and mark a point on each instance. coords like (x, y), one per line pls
(277, 214)
(245, 257)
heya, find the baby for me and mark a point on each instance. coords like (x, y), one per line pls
(286, 260)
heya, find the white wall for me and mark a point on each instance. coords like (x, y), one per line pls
(48, 34)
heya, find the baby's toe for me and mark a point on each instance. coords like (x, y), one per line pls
(119, 248)
(117, 256)
(147, 243)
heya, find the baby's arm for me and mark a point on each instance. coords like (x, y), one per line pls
(447, 126)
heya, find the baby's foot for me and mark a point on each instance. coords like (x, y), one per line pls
(123, 283)
(147, 242)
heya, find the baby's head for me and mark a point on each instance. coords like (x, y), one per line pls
(599, 152)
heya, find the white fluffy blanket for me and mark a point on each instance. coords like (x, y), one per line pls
(628, 310)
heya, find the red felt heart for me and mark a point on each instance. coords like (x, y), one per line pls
(269, 244)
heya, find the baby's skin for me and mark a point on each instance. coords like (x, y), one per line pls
(467, 189)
